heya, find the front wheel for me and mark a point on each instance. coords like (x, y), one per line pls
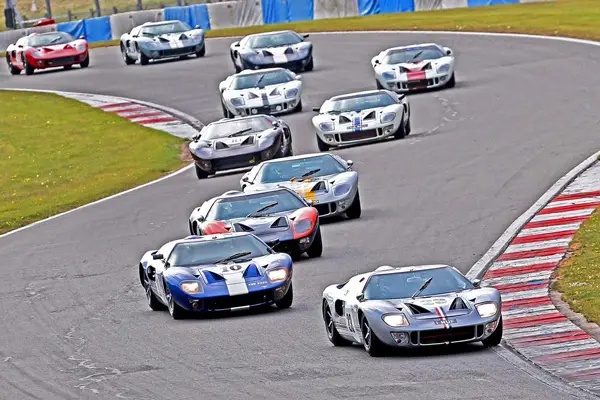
(355, 209)
(495, 338)
(153, 302)
(316, 248)
(332, 333)
(310, 66)
(86, 62)
(452, 82)
(174, 309)
(322, 145)
(226, 112)
(200, 173)
(27, 67)
(371, 342)
(202, 52)
(287, 300)
(144, 60)
(401, 132)
(298, 107)
(379, 87)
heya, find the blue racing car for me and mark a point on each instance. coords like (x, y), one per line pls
(223, 272)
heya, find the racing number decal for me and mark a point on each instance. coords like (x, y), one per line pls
(231, 268)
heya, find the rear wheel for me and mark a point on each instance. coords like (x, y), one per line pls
(407, 126)
(11, 67)
(322, 145)
(200, 173)
(495, 338)
(371, 342)
(153, 302)
(355, 209)
(316, 248)
(287, 300)
(332, 333)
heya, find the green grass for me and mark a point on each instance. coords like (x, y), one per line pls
(578, 277)
(58, 153)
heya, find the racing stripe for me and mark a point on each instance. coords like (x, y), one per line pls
(416, 75)
(440, 314)
(265, 99)
(236, 283)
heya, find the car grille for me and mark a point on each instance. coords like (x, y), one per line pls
(176, 52)
(242, 160)
(441, 336)
(267, 109)
(351, 136)
(62, 60)
(326, 208)
(421, 84)
(228, 302)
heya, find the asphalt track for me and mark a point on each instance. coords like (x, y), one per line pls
(74, 320)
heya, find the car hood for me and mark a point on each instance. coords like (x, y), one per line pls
(416, 66)
(307, 185)
(289, 51)
(48, 50)
(256, 93)
(262, 226)
(251, 142)
(354, 118)
(172, 38)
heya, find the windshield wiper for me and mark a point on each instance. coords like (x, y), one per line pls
(334, 112)
(423, 287)
(260, 210)
(233, 257)
(259, 80)
(306, 175)
(240, 132)
(416, 55)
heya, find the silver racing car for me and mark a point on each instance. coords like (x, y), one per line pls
(325, 180)
(411, 307)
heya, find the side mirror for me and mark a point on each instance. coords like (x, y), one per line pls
(350, 163)
(197, 27)
(201, 218)
(236, 44)
(476, 282)
(195, 138)
(316, 109)
(151, 273)
(360, 297)
(401, 96)
(310, 202)
(20, 46)
(376, 62)
(81, 37)
(157, 256)
(305, 36)
(448, 51)
(298, 77)
(245, 179)
(273, 243)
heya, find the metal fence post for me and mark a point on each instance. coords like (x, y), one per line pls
(98, 10)
(139, 5)
(48, 8)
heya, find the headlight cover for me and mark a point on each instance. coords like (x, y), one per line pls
(443, 68)
(486, 310)
(303, 226)
(341, 189)
(237, 101)
(291, 93)
(36, 53)
(326, 126)
(395, 320)
(277, 275)
(80, 47)
(191, 287)
(388, 117)
(388, 75)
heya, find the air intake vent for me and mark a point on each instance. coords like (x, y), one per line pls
(220, 146)
(288, 51)
(344, 120)
(212, 277)
(319, 186)
(371, 115)
(249, 140)
(243, 228)
(402, 70)
(183, 37)
(281, 222)
(267, 53)
(252, 271)
(458, 304)
(415, 309)
(426, 67)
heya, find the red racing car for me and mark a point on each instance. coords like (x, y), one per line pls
(47, 50)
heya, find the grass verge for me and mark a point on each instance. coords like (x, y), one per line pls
(578, 277)
(58, 153)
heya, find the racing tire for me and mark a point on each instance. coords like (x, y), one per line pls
(27, 67)
(452, 82)
(144, 60)
(355, 209)
(407, 126)
(298, 107)
(322, 145)
(332, 333)
(495, 338)
(200, 173)
(287, 300)
(126, 59)
(175, 310)
(202, 52)
(13, 70)
(316, 248)
(310, 66)
(237, 69)
(226, 112)
(153, 302)
(401, 132)
(86, 62)
(379, 87)
(371, 342)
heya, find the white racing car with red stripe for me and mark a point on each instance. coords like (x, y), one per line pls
(416, 67)
(411, 307)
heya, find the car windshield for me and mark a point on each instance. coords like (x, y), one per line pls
(358, 103)
(413, 54)
(242, 206)
(226, 128)
(165, 29)
(280, 171)
(403, 285)
(50, 39)
(260, 80)
(273, 40)
(190, 254)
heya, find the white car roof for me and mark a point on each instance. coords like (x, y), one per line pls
(296, 157)
(365, 92)
(383, 270)
(207, 238)
(258, 71)
(269, 33)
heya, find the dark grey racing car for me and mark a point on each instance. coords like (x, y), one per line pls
(285, 49)
(240, 142)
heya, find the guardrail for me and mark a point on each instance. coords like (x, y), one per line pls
(229, 14)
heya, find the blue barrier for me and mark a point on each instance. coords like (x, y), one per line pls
(281, 11)
(196, 15)
(479, 3)
(93, 29)
(73, 28)
(372, 7)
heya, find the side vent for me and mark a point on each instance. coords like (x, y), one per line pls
(289, 50)
(183, 37)
(319, 186)
(212, 277)
(267, 53)
(252, 271)
(458, 304)
(415, 309)
(220, 146)
(344, 120)
(242, 228)
(249, 140)
(339, 307)
(370, 115)
(281, 222)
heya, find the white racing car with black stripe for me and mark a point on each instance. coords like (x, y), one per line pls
(286, 49)
(416, 67)
(269, 91)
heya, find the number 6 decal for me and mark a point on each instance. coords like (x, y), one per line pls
(231, 268)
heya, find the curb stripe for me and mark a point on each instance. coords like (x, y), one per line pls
(532, 253)
(524, 322)
(146, 115)
(520, 287)
(568, 356)
(519, 270)
(544, 236)
(576, 196)
(574, 207)
(114, 105)
(524, 303)
(551, 338)
(156, 120)
(562, 216)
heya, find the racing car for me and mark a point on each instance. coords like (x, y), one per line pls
(411, 306)
(239, 142)
(47, 50)
(416, 67)
(280, 217)
(324, 179)
(361, 117)
(285, 49)
(227, 272)
(160, 40)
(269, 91)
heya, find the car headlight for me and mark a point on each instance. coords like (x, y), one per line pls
(443, 68)
(303, 226)
(291, 93)
(326, 126)
(388, 117)
(192, 287)
(80, 47)
(36, 53)
(237, 101)
(388, 75)
(486, 309)
(396, 320)
(341, 189)
(277, 275)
